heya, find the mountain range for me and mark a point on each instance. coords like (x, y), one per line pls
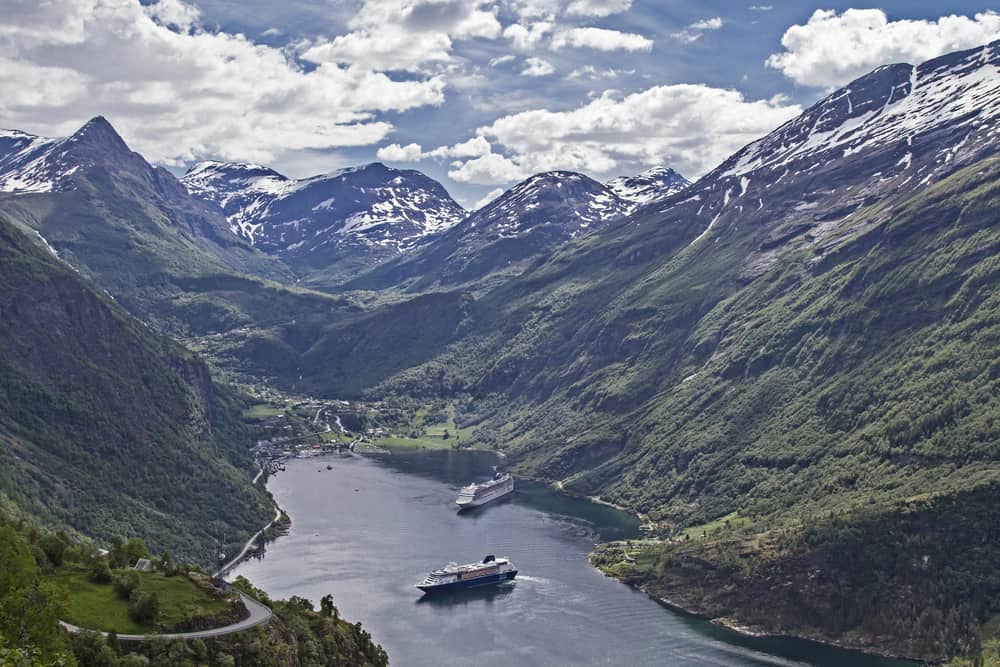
(348, 220)
(502, 238)
(795, 352)
(798, 343)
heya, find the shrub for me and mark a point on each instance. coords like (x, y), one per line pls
(100, 573)
(126, 583)
(143, 607)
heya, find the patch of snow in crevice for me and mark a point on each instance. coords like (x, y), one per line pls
(46, 243)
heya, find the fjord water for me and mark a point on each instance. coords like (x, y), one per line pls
(369, 529)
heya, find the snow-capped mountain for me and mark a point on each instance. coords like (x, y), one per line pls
(97, 160)
(372, 209)
(23, 163)
(563, 202)
(527, 221)
(810, 183)
(922, 105)
(650, 185)
(30, 163)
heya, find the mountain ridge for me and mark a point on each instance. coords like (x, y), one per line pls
(649, 186)
(505, 236)
(357, 216)
(103, 421)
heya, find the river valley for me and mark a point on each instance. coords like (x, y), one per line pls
(370, 528)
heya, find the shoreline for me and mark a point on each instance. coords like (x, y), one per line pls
(759, 633)
(727, 623)
(597, 500)
(227, 567)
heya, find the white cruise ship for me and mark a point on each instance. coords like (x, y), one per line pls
(476, 495)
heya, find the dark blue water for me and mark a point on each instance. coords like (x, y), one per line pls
(369, 529)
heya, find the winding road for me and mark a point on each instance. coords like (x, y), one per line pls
(246, 547)
(259, 614)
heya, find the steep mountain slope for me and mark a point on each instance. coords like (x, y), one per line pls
(30, 164)
(650, 185)
(749, 260)
(107, 428)
(135, 231)
(337, 223)
(505, 236)
(803, 334)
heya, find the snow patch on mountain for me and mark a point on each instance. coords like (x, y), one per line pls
(32, 164)
(29, 163)
(573, 202)
(650, 185)
(372, 206)
(892, 104)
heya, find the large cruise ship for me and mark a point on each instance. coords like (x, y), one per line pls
(475, 495)
(454, 577)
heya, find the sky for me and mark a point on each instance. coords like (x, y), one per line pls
(478, 94)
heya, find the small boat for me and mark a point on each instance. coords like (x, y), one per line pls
(490, 572)
(476, 495)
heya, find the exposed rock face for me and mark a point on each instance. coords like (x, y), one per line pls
(524, 223)
(362, 214)
(651, 185)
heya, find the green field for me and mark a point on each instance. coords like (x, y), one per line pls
(413, 444)
(261, 410)
(728, 524)
(97, 607)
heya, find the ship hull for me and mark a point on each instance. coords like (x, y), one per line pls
(478, 582)
(479, 502)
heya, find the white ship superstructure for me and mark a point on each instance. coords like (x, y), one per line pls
(452, 577)
(476, 495)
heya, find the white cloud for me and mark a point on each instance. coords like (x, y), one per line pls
(601, 39)
(537, 67)
(461, 19)
(591, 72)
(832, 49)
(397, 153)
(474, 147)
(535, 9)
(388, 47)
(689, 127)
(707, 24)
(489, 197)
(598, 7)
(761, 8)
(501, 60)
(694, 31)
(488, 170)
(173, 13)
(526, 38)
(406, 35)
(184, 93)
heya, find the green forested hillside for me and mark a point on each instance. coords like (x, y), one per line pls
(169, 258)
(35, 595)
(108, 428)
(696, 381)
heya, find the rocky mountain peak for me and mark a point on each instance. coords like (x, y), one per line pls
(652, 184)
(360, 213)
(568, 202)
(98, 132)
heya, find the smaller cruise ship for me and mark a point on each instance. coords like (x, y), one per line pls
(475, 495)
(490, 572)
